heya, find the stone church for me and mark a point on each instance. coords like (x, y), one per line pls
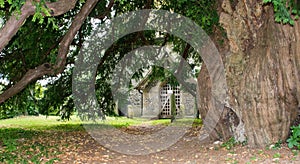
(152, 100)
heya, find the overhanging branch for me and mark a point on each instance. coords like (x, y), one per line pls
(47, 69)
(15, 22)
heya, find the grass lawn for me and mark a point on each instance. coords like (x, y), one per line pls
(25, 139)
(40, 139)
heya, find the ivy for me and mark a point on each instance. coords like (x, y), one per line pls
(294, 139)
(285, 12)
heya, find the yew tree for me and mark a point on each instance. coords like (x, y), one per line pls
(258, 40)
(261, 58)
(41, 39)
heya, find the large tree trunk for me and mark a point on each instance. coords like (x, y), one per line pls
(262, 69)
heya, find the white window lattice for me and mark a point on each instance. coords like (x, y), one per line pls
(165, 99)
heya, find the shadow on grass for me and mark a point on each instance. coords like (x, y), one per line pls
(28, 132)
(25, 143)
(12, 133)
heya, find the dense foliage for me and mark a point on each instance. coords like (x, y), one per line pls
(37, 42)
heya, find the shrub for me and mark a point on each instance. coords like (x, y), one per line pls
(294, 139)
(229, 144)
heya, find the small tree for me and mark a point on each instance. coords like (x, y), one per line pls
(173, 107)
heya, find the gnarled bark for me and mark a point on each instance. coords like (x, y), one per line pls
(262, 71)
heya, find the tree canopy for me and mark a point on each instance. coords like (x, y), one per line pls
(40, 39)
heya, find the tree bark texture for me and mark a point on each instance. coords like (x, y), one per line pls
(262, 64)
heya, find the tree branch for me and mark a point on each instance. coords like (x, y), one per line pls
(68, 38)
(12, 26)
(30, 76)
(46, 68)
(178, 74)
(184, 56)
(108, 10)
(61, 7)
(16, 21)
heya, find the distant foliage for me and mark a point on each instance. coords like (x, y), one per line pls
(25, 103)
(203, 12)
(37, 42)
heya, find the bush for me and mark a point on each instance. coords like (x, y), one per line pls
(294, 140)
(229, 144)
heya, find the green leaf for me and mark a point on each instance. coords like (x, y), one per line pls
(266, 1)
(277, 19)
(294, 139)
(285, 20)
(2, 3)
(292, 143)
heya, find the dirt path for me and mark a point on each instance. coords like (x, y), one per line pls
(82, 148)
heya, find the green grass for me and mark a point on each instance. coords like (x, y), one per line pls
(42, 123)
(160, 122)
(121, 121)
(52, 123)
(38, 122)
(29, 139)
(20, 138)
